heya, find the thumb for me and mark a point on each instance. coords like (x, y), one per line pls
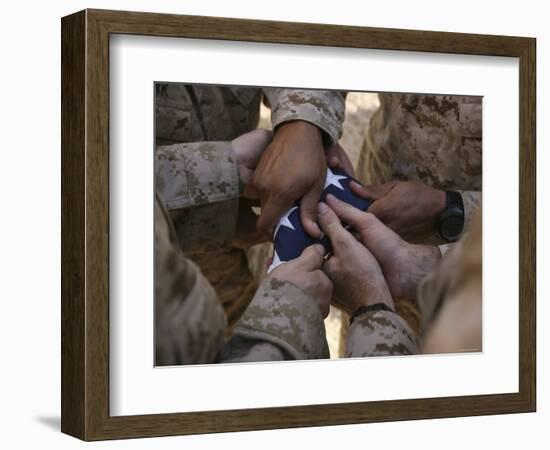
(311, 258)
(249, 147)
(331, 225)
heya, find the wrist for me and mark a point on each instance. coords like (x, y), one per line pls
(426, 259)
(302, 127)
(438, 203)
(372, 295)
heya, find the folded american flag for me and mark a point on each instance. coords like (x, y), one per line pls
(290, 238)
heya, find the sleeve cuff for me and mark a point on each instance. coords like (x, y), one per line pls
(286, 317)
(325, 109)
(199, 185)
(471, 201)
(379, 333)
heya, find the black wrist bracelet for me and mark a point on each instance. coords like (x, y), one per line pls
(366, 308)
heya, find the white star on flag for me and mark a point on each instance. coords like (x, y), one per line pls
(285, 222)
(276, 262)
(334, 180)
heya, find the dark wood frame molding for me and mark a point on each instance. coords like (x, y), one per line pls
(85, 224)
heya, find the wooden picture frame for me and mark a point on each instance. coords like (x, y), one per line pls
(85, 224)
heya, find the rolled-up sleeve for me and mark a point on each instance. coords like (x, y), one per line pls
(199, 185)
(281, 323)
(325, 109)
(379, 333)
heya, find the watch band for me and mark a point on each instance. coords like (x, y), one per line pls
(454, 208)
(453, 198)
(366, 308)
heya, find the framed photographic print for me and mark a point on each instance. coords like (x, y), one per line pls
(270, 225)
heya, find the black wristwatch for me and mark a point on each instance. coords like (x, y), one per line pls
(450, 223)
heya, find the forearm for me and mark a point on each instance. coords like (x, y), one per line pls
(281, 323)
(199, 185)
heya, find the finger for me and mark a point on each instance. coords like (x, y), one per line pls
(329, 265)
(372, 192)
(347, 213)
(333, 161)
(311, 258)
(246, 177)
(331, 225)
(308, 211)
(338, 158)
(251, 145)
(271, 212)
(374, 234)
(379, 208)
(325, 288)
(333, 156)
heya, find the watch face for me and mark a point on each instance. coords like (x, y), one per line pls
(451, 228)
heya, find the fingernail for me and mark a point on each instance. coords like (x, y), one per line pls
(322, 208)
(319, 249)
(331, 197)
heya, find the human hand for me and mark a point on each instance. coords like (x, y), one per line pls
(404, 265)
(338, 158)
(357, 276)
(292, 167)
(246, 233)
(410, 208)
(248, 150)
(305, 272)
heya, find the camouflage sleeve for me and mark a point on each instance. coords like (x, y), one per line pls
(434, 288)
(281, 323)
(472, 202)
(379, 333)
(326, 109)
(199, 185)
(189, 319)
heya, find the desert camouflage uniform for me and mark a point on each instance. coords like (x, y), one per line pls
(435, 139)
(281, 323)
(284, 323)
(187, 114)
(199, 181)
(450, 305)
(189, 319)
(451, 297)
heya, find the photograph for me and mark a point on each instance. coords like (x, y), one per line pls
(347, 211)
(304, 224)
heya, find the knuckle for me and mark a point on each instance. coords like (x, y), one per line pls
(322, 282)
(366, 219)
(340, 241)
(280, 192)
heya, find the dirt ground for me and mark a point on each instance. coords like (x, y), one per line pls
(359, 108)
